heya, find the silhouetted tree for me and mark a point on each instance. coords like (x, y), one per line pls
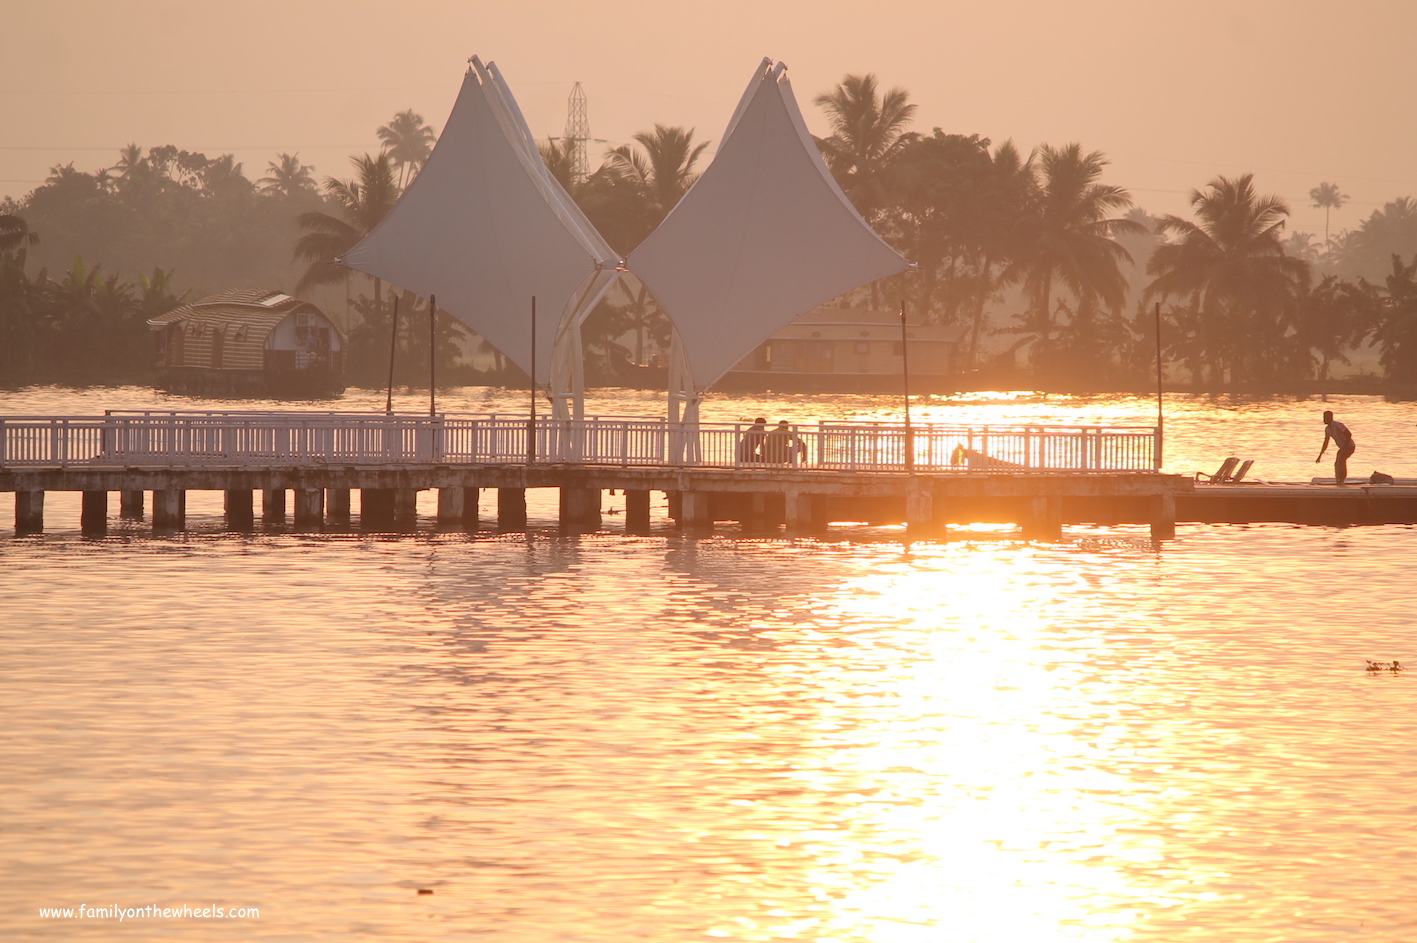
(1367, 251)
(1068, 239)
(868, 132)
(363, 202)
(1327, 197)
(288, 177)
(408, 141)
(1396, 327)
(1231, 268)
(15, 233)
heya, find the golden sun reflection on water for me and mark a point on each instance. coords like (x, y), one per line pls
(982, 809)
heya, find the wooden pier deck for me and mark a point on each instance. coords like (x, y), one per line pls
(803, 500)
(1297, 503)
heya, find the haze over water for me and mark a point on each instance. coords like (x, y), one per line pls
(664, 738)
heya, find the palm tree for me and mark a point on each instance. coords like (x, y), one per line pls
(1368, 251)
(408, 141)
(1232, 268)
(559, 156)
(867, 133)
(664, 171)
(364, 202)
(288, 177)
(1327, 197)
(1067, 238)
(15, 234)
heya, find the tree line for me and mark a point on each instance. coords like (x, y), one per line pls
(1026, 253)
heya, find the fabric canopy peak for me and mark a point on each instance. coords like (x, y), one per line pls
(485, 227)
(762, 237)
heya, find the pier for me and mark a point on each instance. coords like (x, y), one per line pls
(303, 468)
(927, 477)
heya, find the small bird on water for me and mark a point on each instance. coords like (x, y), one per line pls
(1384, 665)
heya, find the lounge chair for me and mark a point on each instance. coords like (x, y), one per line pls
(1222, 474)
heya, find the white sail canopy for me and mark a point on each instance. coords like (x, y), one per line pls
(485, 227)
(761, 238)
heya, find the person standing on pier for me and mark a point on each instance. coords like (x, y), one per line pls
(1343, 440)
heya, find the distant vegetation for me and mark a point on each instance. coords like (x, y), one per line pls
(1032, 255)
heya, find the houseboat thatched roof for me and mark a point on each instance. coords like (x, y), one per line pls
(257, 309)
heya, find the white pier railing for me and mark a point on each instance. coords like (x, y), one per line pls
(277, 439)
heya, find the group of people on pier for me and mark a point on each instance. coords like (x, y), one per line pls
(781, 446)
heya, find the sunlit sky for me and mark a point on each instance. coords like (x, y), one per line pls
(1297, 92)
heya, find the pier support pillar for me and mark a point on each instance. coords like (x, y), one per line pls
(309, 507)
(1163, 517)
(511, 509)
(470, 497)
(580, 508)
(406, 506)
(757, 512)
(239, 504)
(169, 509)
(337, 505)
(452, 505)
(29, 512)
(799, 512)
(130, 505)
(694, 512)
(1044, 518)
(93, 512)
(273, 505)
(920, 517)
(637, 512)
(376, 507)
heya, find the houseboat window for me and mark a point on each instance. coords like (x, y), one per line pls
(863, 347)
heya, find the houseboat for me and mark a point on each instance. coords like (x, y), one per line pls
(249, 342)
(835, 350)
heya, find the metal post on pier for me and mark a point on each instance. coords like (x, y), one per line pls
(432, 357)
(905, 389)
(1160, 419)
(393, 345)
(531, 423)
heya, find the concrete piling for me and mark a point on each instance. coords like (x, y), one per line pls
(799, 512)
(309, 507)
(580, 508)
(1163, 516)
(637, 512)
(29, 512)
(337, 505)
(376, 508)
(694, 511)
(240, 507)
(452, 505)
(130, 505)
(511, 509)
(273, 505)
(169, 509)
(406, 506)
(93, 513)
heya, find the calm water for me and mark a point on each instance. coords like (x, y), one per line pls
(668, 739)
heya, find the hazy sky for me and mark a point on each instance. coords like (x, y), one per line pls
(1174, 93)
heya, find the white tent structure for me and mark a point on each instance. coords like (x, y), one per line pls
(486, 228)
(761, 238)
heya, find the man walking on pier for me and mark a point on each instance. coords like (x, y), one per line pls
(1343, 440)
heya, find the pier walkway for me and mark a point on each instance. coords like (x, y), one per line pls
(927, 476)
